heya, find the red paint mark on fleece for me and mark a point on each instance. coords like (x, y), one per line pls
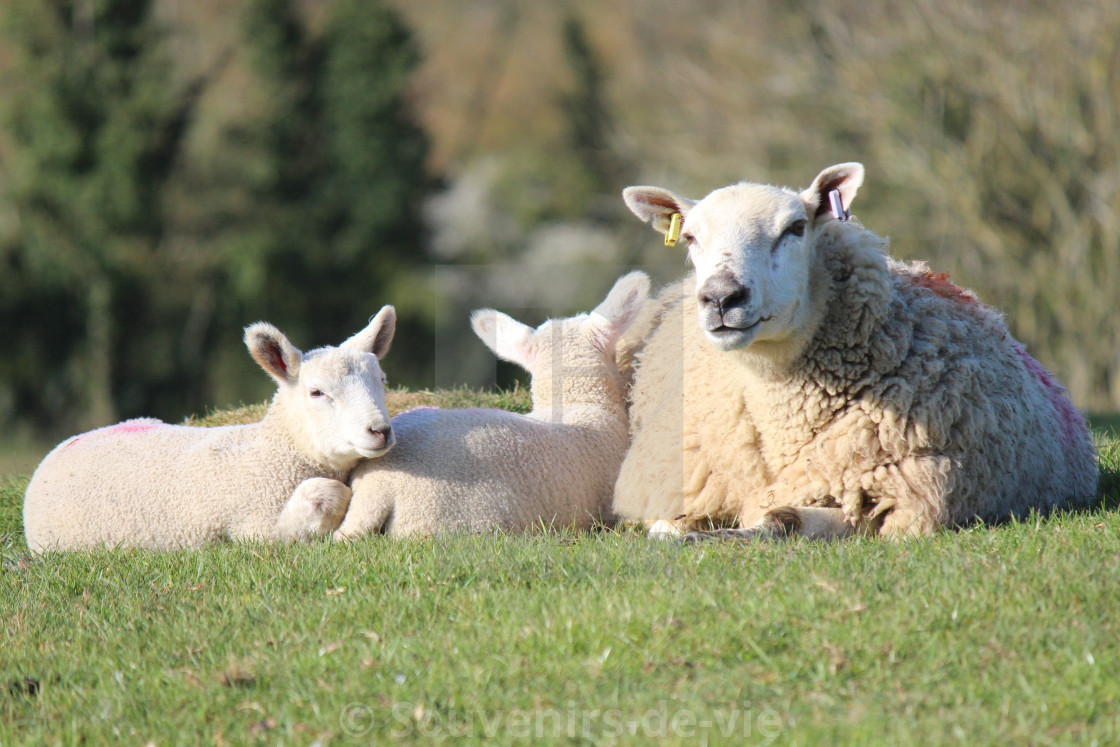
(939, 283)
(127, 427)
(1071, 421)
(132, 426)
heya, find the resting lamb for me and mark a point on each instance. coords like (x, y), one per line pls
(486, 469)
(145, 483)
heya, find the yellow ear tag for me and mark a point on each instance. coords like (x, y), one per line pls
(674, 230)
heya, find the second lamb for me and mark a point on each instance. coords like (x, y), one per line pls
(473, 470)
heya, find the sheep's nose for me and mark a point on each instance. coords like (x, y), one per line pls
(722, 292)
(381, 437)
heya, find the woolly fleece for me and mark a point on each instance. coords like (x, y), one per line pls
(911, 408)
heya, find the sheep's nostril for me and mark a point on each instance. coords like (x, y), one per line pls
(381, 436)
(721, 292)
(735, 298)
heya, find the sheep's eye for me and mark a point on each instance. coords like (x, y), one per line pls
(316, 393)
(384, 379)
(797, 228)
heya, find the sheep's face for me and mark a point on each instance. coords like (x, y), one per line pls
(753, 249)
(334, 397)
(750, 245)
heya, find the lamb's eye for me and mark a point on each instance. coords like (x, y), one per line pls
(384, 379)
(316, 393)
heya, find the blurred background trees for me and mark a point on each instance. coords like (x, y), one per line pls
(172, 171)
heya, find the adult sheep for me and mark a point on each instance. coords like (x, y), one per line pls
(149, 484)
(827, 388)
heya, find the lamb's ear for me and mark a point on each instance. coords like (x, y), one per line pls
(509, 339)
(377, 336)
(271, 349)
(843, 177)
(656, 205)
(619, 309)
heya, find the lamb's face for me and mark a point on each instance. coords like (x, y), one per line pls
(334, 397)
(751, 246)
(340, 394)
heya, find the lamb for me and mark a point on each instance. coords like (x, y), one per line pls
(828, 389)
(145, 483)
(476, 470)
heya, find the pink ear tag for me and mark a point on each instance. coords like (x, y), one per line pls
(837, 205)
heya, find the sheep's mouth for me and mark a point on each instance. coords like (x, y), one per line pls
(371, 453)
(726, 337)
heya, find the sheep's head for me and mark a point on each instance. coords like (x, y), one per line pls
(578, 346)
(753, 248)
(334, 396)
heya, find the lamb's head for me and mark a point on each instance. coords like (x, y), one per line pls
(753, 247)
(333, 397)
(574, 350)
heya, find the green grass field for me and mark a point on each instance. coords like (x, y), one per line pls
(994, 635)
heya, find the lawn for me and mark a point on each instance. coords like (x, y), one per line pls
(993, 635)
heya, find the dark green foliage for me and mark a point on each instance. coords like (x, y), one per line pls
(585, 107)
(139, 249)
(95, 126)
(337, 216)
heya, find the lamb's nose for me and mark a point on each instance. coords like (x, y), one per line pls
(382, 437)
(722, 292)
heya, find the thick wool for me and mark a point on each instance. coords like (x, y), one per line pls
(145, 483)
(910, 407)
(481, 470)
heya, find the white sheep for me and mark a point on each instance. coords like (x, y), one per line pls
(485, 469)
(828, 389)
(149, 484)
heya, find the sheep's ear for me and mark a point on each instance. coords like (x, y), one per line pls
(656, 205)
(619, 309)
(376, 337)
(845, 178)
(509, 339)
(271, 349)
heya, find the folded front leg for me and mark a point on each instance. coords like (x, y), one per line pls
(316, 509)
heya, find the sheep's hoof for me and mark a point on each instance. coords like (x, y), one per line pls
(663, 529)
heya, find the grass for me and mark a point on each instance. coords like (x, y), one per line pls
(992, 635)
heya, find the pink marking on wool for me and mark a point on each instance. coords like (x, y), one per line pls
(1070, 419)
(130, 426)
(127, 427)
(939, 283)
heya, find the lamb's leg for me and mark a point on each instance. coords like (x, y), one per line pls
(368, 515)
(316, 509)
(786, 522)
